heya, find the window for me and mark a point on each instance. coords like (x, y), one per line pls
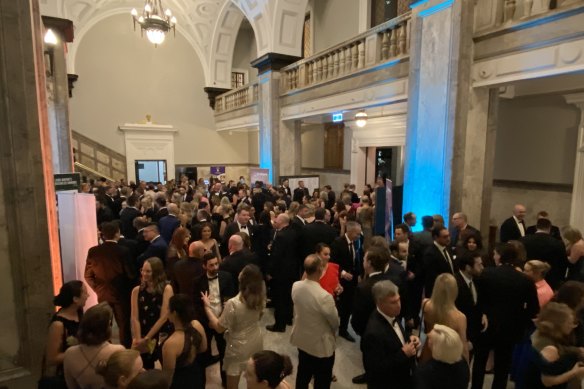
(237, 79)
(306, 38)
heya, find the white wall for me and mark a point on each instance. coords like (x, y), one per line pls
(244, 52)
(122, 77)
(536, 140)
(334, 21)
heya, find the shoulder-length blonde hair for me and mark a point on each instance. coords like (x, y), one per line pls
(252, 288)
(443, 296)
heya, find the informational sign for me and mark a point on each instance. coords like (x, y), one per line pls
(67, 181)
(217, 170)
(337, 117)
(256, 174)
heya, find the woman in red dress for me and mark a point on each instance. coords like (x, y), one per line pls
(330, 276)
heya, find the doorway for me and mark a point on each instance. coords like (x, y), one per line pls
(151, 171)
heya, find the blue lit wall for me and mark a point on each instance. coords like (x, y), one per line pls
(265, 132)
(428, 152)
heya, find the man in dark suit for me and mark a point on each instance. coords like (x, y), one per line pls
(317, 232)
(156, 248)
(300, 192)
(219, 287)
(186, 271)
(283, 272)
(509, 299)
(241, 224)
(389, 352)
(554, 230)
(109, 272)
(460, 229)
(238, 258)
(467, 301)
(127, 216)
(161, 209)
(169, 223)
(437, 258)
(514, 227)
(346, 255)
(298, 222)
(286, 188)
(544, 247)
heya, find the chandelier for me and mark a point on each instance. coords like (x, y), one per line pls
(155, 21)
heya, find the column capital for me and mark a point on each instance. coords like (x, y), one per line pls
(62, 26)
(212, 93)
(576, 99)
(273, 61)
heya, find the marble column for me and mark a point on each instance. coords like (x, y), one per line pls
(58, 93)
(440, 59)
(29, 243)
(279, 141)
(577, 210)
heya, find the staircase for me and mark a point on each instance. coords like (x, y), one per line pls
(93, 160)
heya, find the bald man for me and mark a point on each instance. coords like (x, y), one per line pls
(283, 269)
(514, 227)
(460, 229)
(239, 256)
(168, 224)
(185, 271)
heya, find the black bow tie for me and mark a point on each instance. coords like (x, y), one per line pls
(212, 278)
(244, 227)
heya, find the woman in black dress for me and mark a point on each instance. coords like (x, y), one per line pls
(64, 326)
(179, 352)
(150, 311)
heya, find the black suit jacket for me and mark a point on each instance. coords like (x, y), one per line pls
(434, 265)
(386, 365)
(226, 291)
(455, 234)
(284, 262)
(554, 232)
(510, 231)
(438, 375)
(299, 193)
(127, 217)
(156, 248)
(509, 300)
(297, 224)
(234, 264)
(363, 303)
(544, 247)
(315, 233)
(230, 230)
(465, 304)
(341, 254)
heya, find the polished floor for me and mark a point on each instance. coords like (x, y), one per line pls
(347, 363)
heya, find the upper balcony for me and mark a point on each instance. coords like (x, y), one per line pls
(237, 109)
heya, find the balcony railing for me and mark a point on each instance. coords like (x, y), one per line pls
(386, 42)
(499, 14)
(237, 98)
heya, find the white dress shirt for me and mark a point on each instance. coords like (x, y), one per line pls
(393, 323)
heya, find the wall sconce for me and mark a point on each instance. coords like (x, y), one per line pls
(50, 41)
(361, 119)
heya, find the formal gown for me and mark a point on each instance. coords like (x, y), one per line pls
(188, 374)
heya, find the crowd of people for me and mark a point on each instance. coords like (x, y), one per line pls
(183, 264)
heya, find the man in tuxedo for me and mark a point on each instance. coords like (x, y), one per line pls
(554, 230)
(298, 222)
(156, 248)
(186, 271)
(514, 227)
(127, 216)
(286, 188)
(410, 219)
(219, 287)
(389, 352)
(331, 197)
(467, 301)
(437, 258)
(460, 229)
(161, 209)
(544, 247)
(353, 193)
(283, 271)
(509, 299)
(346, 255)
(300, 192)
(109, 272)
(186, 196)
(168, 224)
(317, 232)
(241, 224)
(424, 237)
(315, 325)
(238, 258)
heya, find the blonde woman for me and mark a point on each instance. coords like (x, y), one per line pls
(120, 368)
(440, 309)
(575, 249)
(536, 270)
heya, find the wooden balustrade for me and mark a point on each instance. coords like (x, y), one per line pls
(493, 14)
(388, 41)
(237, 98)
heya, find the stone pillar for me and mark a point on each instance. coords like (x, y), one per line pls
(577, 210)
(280, 149)
(440, 59)
(29, 241)
(364, 15)
(58, 93)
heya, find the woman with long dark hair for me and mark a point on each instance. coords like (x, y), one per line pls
(150, 311)
(267, 370)
(241, 319)
(180, 350)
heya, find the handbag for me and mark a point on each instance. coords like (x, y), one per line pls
(424, 350)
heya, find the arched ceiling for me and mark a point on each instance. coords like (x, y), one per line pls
(210, 26)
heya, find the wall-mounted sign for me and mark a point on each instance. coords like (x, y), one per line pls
(67, 181)
(337, 117)
(217, 170)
